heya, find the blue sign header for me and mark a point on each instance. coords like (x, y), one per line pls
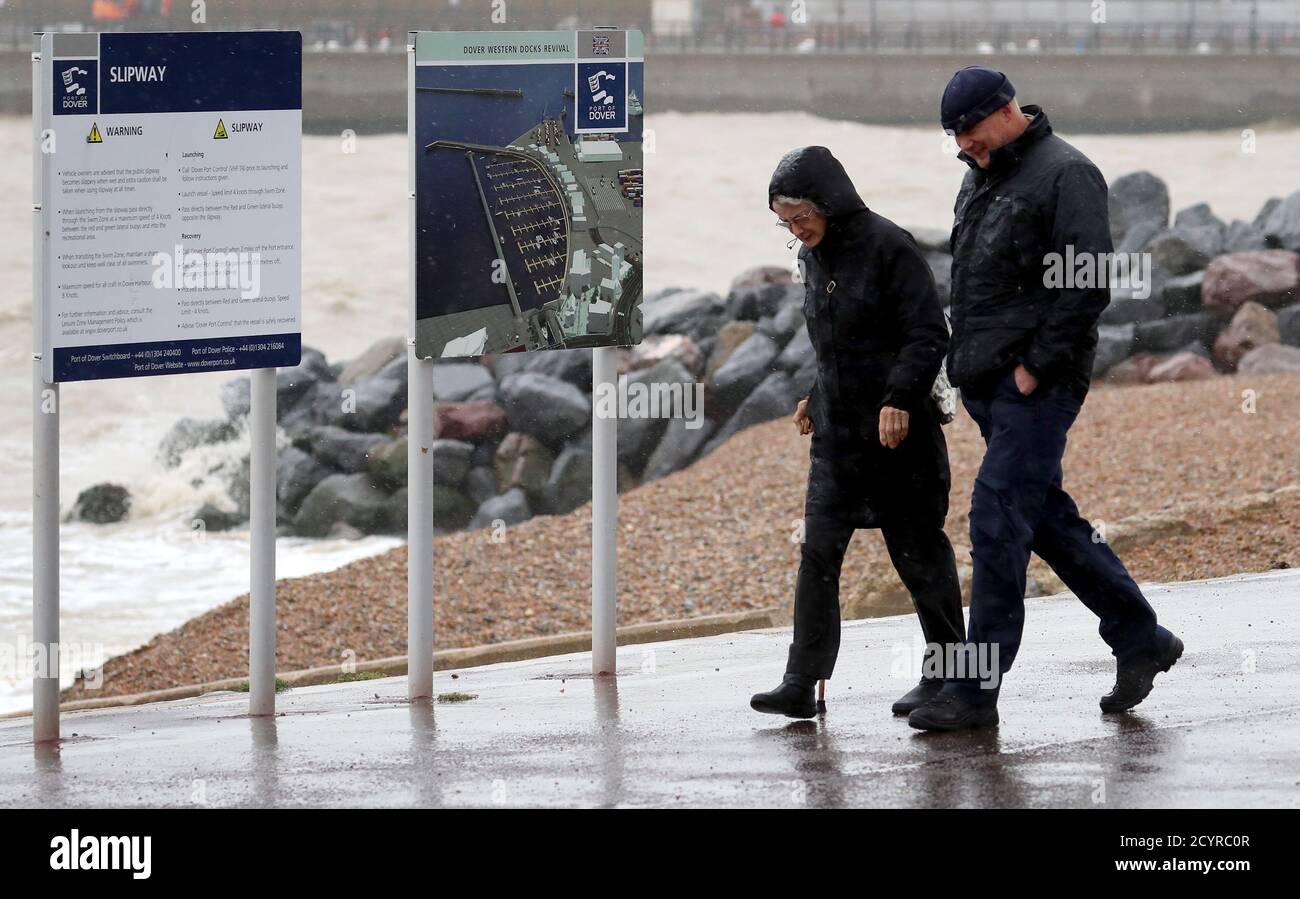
(199, 72)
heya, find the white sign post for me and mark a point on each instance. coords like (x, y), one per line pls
(168, 198)
(604, 518)
(526, 191)
(419, 459)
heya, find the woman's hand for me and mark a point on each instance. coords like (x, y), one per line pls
(801, 419)
(893, 426)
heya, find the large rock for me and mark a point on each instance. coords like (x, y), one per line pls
(211, 518)
(291, 384)
(677, 448)
(369, 363)
(653, 350)
(1242, 237)
(774, 398)
(452, 509)
(457, 381)
(547, 408)
(1126, 309)
(102, 504)
(349, 498)
(1114, 345)
(475, 421)
(296, 473)
(1269, 358)
(569, 484)
(1182, 366)
(729, 337)
(509, 508)
(344, 450)
(379, 400)
(1138, 197)
(523, 461)
(1283, 222)
(1183, 293)
(1198, 216)
(754, 303)
(190, 433)
(691, 312)
(1136, 369)
(1288, 323)
(654, 396)
(746, 368)
(760, 276)
(1252, 326)
(804, 378)
(480, 483)
(572, 366)
(783, 325)
(1139, 237)
(1268, 277)
(1173, 254)
(1168, 334)
(797, 352)
(451, 460)
(388, 464)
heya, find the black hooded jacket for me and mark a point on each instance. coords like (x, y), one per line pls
(1038, 196)
(878, 331)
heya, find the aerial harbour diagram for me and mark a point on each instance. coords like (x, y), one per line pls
(529, 192)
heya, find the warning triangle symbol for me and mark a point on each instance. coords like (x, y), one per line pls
(94, 137)
(221, 131)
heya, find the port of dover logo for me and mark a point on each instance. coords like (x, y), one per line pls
(76, 87)
(601, 97)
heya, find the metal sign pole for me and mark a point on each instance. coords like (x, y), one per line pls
(604, 518)
(45, 555)
(45, 457)
(419, 458)
(261, 535)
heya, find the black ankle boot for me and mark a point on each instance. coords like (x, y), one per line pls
(1134, 679)
(794, 698)
(918, 696)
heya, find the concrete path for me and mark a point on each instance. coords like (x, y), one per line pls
(1221, 729)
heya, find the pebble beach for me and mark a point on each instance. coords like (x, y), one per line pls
(719, 536)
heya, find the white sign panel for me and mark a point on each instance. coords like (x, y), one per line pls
(170, 177)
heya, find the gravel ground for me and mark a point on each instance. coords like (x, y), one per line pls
(717, 537)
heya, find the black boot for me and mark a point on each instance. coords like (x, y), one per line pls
(948, 712)
(1133, 680)
(794, 698)
(918, 696)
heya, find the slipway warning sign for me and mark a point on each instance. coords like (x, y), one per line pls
(220, 133)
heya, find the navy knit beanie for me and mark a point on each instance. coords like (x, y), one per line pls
(973, 94)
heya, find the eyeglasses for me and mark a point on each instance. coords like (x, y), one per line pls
(789, 225)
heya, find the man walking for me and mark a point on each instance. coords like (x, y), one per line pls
(1022, 354)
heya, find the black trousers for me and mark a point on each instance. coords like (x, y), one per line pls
(1019, 506)
(924, 560)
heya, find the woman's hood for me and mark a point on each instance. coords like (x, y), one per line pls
(813, 173)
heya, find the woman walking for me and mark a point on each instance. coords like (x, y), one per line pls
(878, 457)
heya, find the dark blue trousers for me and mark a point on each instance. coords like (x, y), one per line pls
(1018, 506)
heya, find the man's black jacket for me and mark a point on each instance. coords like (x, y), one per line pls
(1038, 196)
(878, 331)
